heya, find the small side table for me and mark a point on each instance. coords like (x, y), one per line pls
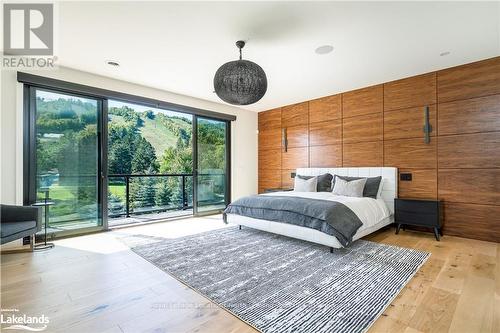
(46, 203)
(421, 213)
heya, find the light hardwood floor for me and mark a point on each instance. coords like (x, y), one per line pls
(95, 284)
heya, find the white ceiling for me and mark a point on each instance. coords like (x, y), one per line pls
(179, 46)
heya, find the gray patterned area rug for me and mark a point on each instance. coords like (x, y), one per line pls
(280, 284)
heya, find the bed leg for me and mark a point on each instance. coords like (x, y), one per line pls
(331, 249)
(239, 227)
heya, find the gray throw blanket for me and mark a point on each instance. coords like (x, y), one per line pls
(330, 217)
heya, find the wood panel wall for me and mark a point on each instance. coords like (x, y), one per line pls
(382, 125)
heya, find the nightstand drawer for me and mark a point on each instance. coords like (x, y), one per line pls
(420, 219)
(417, 206)
(421, 213)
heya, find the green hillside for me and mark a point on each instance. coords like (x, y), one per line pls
(161, 131)
(159, 135)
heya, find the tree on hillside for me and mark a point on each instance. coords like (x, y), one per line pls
(121, 149)
(144, 157)
(143, 191)
(128, 114)
(211, 145)
(120, 159)
(177, 159)
(163, 193)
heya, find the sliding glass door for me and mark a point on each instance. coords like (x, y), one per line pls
(150, 163)
(65, 159)
(212, 165)
(103, 158)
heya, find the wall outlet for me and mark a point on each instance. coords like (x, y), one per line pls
(293, 174)
(405, 177)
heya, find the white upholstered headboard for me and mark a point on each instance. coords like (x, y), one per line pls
(389, 178)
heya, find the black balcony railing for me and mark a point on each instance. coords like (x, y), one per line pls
(129, 194)
(152, 193)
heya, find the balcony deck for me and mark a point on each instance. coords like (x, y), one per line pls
(148, 217)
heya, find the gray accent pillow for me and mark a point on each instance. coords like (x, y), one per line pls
(353, 188)
(305, 185)
(324, 182)
(371, 187)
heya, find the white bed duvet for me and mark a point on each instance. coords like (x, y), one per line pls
(373, 213)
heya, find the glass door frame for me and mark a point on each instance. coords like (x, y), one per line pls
(31, 82)
(29, 154)
(196, 167)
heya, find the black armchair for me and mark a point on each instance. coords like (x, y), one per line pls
(19, 221)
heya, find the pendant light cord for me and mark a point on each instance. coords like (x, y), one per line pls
(240, 44)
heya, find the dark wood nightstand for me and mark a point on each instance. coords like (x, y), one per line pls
(421, 213)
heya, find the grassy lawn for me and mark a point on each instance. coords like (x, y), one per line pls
(67, 193)
(60, 193)
(117, 191)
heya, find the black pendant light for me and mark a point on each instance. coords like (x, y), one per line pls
(240, 82)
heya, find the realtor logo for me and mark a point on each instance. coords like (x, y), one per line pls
(13, 319)
(28, 29)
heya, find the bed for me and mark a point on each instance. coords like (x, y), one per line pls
(372, 213)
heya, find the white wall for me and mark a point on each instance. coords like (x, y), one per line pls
(244, 129)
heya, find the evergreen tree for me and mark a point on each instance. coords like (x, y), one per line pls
(163, 194)
(144, 157)
(144, 191)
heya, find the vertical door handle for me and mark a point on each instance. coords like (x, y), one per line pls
(284, 139)
(427, 126)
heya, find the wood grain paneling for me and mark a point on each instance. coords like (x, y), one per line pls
(269, 178)
(325, 133)
(480, 150)
(295, 158)
(325, 109)
(363, 101)
(465, 220)
(297, 136)
(422, 186)
(410, 153)
(326, 156)
(295, 115)
(270, 159)
(480, 186)
(414, 91)
(477, 79)
(408, 123)
(363, 128)
(269, 139)
(286, 178)
(362, 154)
(383, 125)
(470, 116)
(270, 119)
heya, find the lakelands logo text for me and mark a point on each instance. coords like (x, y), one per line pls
(11, 319)
(28, 36)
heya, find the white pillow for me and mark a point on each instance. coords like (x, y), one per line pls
(305, 185)
(353, 188)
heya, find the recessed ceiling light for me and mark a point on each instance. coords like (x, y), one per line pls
(112, 63)
(324, 49)
(442, 54)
